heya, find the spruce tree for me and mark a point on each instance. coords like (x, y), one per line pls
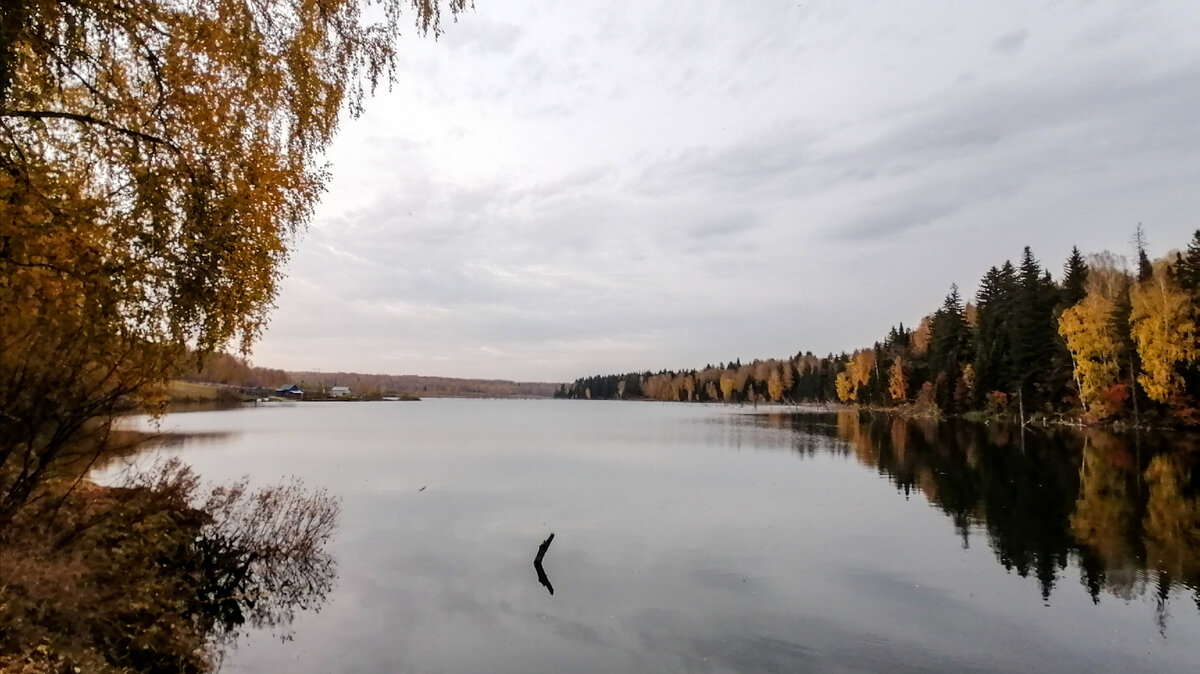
(1127, 353)
(992, 344)
(1188, 270)
(949, 348)
(950, 338)
(1034, 331)
(1187, 274)
(1145, 269)
(1075, 273)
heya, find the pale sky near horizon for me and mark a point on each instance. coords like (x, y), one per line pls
(553, 190)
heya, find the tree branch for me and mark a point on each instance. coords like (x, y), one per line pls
(88, 119)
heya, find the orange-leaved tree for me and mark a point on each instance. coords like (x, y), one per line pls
(897, 380)
(157, 160)
(857, 374)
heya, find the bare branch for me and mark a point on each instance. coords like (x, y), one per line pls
(88, 119)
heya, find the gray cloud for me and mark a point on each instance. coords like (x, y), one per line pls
(550, 191)
(893, 217)
(487, 36)
(1010, 43)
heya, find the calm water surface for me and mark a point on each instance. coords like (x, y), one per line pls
(708, 539)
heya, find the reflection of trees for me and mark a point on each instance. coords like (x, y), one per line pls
(1044, 497)
(158, 574)
(1105, 518)
(1172, 521)
(1172, 524)
(261, 555)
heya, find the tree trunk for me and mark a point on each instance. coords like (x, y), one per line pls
(1137, 418)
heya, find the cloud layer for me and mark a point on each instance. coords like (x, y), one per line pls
(554, 190)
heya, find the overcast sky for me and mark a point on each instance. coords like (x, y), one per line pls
(553, 190)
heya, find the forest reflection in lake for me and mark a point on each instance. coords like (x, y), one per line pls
(711, 538)
(1125, 507)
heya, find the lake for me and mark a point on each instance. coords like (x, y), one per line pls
(697, 538)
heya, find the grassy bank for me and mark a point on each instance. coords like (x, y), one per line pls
(186, 392)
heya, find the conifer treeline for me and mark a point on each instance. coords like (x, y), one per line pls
(1102, 344)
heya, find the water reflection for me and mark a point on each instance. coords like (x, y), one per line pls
(691, 543)
(1126, 509)
(241, 558)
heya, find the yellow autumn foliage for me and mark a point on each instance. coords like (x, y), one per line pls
(1163, 323)
(846, 392)
(856, 374)
(1092, 339)
(922, 336)
(727, 384)
(157, 160)
(775, 384)
(1105, 516)
(897, 380)
(1172, 520)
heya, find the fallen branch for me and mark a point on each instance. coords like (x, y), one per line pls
(537, 563)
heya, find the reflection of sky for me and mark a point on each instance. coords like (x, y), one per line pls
(679, 547)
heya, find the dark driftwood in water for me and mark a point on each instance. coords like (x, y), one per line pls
(542, 549)
(537, 563)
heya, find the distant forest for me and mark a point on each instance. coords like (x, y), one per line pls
(232, 371)
(1105, 343)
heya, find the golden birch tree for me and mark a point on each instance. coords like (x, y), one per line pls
(897, 380)
(846, 391)
(688, 385)
(922, 336)
(1163, 323)
(855, 375)
(775, 384)
(1091, 338)
(157, 160)
(727, 384)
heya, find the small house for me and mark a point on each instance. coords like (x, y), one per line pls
(339, 392)
(292, 391)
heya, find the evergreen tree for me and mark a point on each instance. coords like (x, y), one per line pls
(949, 349)
(1058, 379)
(1034, 332)
(1187, 274)
(993, 335)
(1188, 269)
(1127, 353)
(1145, 269)
(950, 340)
(1075, 273)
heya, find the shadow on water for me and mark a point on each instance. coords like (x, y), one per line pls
(1124, 508)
